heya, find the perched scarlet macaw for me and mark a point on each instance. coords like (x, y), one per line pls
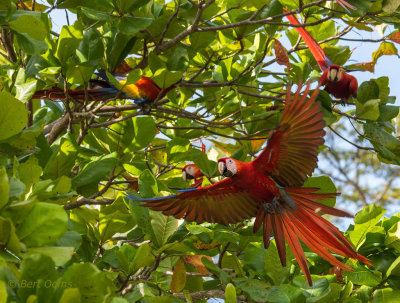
(338, 83)
(145, 90)
(192, 172)
(269, 188)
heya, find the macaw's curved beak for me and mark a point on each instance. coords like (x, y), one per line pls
(187, 176)
(334, 74)
(224, 170)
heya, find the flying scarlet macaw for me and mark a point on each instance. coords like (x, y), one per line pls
(269, 188)
(336, 81)
(145, 90)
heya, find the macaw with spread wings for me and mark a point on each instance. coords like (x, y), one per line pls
(269, 188)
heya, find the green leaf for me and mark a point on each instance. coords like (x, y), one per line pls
(44, 224)
(200, 159)
(388, 112)
(176, 149)
(368, 110)
(47, 189)
(17, 188)
(25, 90)
(79, 74)
(383, 84)
(365, 220)
(27, 139)
(122, 133)
(59, 255)
(114, 219)
(3, 292)
(118, 48)
(393, 237)
(230, 293)
(164, 78)
(143, 257)
(386, 295)
(201, 40)
(273, 267)
(31, 46)
(30, 25)
(326, 185)
(254, 255)
(71, 295)
(96, 170)
(379, 135)
(30, 171)
(132, 25)
(163, 227)
(4, 187)
(36, 270)
(145, 131)
(394, 268)
(8, 237)
(93, 284)
(13, 115)
(62, 159)
(223, 276)
(178, 277)
(367, 91)
(256, 291)
(68, 42)
(179, 59)
(91, 48)
(148, 186)
(386, 48)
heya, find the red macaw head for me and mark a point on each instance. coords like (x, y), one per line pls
(228, 167)
(191, 172)
(335, 73)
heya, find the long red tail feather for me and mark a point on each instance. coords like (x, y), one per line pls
(315, 48)
(303, 223)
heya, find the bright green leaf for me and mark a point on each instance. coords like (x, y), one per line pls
(30, 25)
(13, 115)
(44, 224)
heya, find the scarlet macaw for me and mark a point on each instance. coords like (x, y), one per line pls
(336, 81)
(269, 188)
(145, 90)
(192, 172)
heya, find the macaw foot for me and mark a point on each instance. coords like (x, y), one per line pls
(274, 206)
(146, 108)
(279, 203)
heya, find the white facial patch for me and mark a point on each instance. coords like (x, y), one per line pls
(190, 170)
(184, 175)
(231, 166)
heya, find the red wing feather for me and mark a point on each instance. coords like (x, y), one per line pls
(221, 202)
(291, 153)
